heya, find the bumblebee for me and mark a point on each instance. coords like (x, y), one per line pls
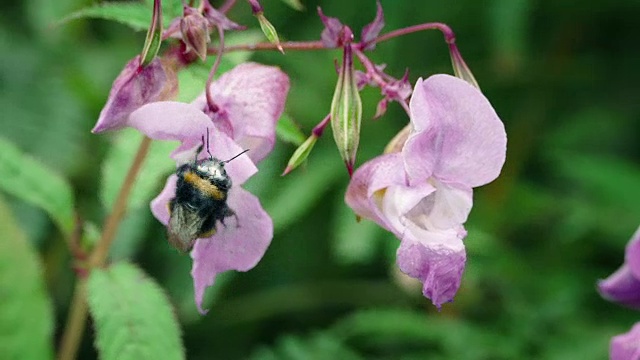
(201, 200)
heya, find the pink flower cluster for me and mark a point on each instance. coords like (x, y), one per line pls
(421, 191)
(423, 194)
(250, 100)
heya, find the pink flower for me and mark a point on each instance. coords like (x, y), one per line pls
(135, 86)
(423, 194)
(626, 346)
(250, 99)
(623, 286)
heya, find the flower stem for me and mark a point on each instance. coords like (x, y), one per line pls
(76, 322)
(78, 308)
(449, 36)
(287, 45)
(212, 105)
(378, 76)
(224, 8)
(375, 74)
(99, 255)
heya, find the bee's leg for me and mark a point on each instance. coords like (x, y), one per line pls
(208, 227)
(228, 213)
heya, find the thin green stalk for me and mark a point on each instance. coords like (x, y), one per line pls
(78, 308)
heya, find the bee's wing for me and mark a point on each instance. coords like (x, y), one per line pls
(184, 227)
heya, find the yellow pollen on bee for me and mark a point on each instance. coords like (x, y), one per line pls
(203, 185)
(207, 234)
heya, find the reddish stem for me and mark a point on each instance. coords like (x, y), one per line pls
(449, 35)
(288, 45)
(224, 8)
(371, 68)
(212, 105)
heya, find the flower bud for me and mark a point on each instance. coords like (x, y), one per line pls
(381, 109)
(460, 68)
(301, 154)
(346, 106)
(269, 31)
(195, 32)
(154, 36)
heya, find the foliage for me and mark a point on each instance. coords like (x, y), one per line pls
(26, 312)
(132, 315)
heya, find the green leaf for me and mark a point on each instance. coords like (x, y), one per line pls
(607, 179)
(157, 165)
(288, 131)
(36, 184)
(379, 330)
(136, 15)
(132, 315)
(26, 315)
(317, 346)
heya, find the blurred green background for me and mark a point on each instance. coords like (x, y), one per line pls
(563, 75)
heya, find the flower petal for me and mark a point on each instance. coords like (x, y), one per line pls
(399, 200)
(170, 120)
(626, 346)
(455, 125)
(232, 247)
(448, 207)
(632, 254)
(251, 97)
(331, 33)
(160, 205)
(420, 152)
(437, 259)
(374, 175)
(372, 29)
(621, 287)
(134, 87)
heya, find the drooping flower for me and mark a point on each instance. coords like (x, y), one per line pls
(423, 194)
(626, 346)
(623, 286)
(250, 99)
(135, 86)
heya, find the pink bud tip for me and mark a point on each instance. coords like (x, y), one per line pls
(287, 170)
